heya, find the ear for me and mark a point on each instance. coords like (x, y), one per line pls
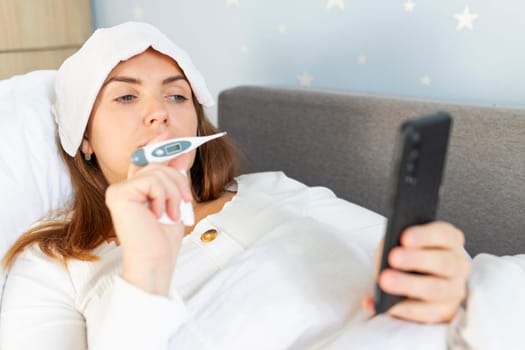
(85, 147)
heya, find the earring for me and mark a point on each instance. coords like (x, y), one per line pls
(87, 157)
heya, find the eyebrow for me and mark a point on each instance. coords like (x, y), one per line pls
(138, 81)
(174, 78)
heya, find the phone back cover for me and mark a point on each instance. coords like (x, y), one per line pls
(415, 183)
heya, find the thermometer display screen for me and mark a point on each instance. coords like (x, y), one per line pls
(173, 148)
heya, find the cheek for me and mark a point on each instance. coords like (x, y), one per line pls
(112, 149)
(107, 136)
(184, 121)
(114, 163)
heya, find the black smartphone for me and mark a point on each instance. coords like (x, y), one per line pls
(415, 184)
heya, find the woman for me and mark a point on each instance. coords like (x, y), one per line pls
(103, 274)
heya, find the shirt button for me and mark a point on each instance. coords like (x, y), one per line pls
(209, 236)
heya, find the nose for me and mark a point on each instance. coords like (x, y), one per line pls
(157, 115)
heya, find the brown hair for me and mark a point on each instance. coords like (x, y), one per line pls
(85, 223)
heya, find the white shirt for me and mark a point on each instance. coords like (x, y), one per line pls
(278, 243)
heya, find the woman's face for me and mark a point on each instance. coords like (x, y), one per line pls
(143, 100)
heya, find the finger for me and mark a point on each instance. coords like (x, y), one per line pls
(437, 234)
(132, 169)
(368, 303)
(173, 183)
(172, 178)
(161, 193)
(154, 186)
(162, 188)
(135, 169)
(422, 287)
(183, 164)
(173, 209)
(439, 262)
(423, 312)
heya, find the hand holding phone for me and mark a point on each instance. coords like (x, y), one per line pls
(419, 161)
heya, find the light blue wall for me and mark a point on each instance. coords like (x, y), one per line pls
(372, 46)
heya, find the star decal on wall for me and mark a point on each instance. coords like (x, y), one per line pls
(138, 13)
(425, 80)
(335, 3)
(361, 59)
(232, 2)
(409, 6)
(282, 28)
(466, 19)
(305, 79)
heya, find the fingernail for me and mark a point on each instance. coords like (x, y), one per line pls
(186, 191)
(368, 304)
(188, 196)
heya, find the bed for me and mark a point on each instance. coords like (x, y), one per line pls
(339, 140)
(344, 140)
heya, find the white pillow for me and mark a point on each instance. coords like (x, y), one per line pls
(33, 177)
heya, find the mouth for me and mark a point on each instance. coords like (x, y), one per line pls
(165, 135)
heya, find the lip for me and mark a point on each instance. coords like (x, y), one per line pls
(165, 135)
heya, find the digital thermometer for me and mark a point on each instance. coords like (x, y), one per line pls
(165, 150)
(162, 152)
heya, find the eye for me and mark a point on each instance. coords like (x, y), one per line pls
(177, 98)
(125, 98)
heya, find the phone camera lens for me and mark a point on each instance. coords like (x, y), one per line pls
(416, 137)
(410, 180)
(413, 154)
(411, 167)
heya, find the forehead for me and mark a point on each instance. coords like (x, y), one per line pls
(147, 62)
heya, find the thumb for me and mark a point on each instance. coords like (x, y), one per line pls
(132, 169)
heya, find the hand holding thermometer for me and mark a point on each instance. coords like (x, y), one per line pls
(164, 151)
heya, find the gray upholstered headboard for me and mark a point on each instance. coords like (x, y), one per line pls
(344, 141)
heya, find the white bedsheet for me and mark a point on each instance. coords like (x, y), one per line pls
(495, 312)
(266, 299)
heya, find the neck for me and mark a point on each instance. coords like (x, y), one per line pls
(204, 209)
